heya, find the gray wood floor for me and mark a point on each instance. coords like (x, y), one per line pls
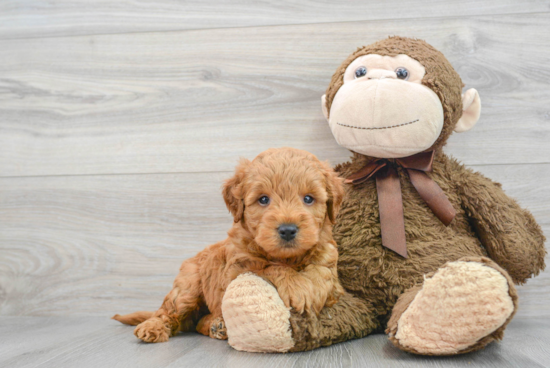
(119, 120)
(97, 342)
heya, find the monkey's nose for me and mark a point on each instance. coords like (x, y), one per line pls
(287, 231)
(381, 74)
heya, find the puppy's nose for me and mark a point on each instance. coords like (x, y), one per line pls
(287, 231)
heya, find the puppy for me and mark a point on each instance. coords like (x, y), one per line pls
(284, 203)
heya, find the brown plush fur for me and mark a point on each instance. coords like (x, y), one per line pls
(303, 270)
(487, 224)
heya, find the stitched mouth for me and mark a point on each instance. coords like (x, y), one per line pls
(377, 128)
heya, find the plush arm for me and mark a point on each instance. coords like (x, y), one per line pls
(258, 321)
(510, 234)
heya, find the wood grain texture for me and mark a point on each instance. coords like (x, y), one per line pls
(41, 342)
(106, 244)
(89, 245)
(194, 101)
(34, 18)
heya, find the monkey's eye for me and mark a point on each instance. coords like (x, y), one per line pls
(360, 72)
(402, 73)
(309, 199)
(263, 201)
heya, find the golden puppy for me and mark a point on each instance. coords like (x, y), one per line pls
(284, 203)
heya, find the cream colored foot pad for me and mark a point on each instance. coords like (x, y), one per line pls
(255, 316)
(462, 303)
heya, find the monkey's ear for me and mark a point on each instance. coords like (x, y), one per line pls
(324, 106)
(335, 191)
(233, 193)
(471, 108)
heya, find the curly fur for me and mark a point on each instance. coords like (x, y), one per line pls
(303, 270)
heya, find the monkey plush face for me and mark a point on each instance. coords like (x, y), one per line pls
(396, 98)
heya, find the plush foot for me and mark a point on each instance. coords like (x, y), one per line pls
(152, 330)
(464, 306)
(256, 317)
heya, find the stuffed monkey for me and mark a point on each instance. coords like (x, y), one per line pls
(429, 251)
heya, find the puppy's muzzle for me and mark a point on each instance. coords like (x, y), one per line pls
(287, 231)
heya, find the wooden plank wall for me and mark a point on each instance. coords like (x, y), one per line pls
(120, 120)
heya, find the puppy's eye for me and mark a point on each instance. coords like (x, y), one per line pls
(402, 73)
(263, 201)
(309, 199)
(360, 72)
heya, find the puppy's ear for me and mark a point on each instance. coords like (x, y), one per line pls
(233, 191)
(335, 190)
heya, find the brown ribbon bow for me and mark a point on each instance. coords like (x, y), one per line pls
(390, 201)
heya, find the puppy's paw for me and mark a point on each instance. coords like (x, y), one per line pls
(152, 330)
(334, 295)
(218, 330)
(300, 298)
